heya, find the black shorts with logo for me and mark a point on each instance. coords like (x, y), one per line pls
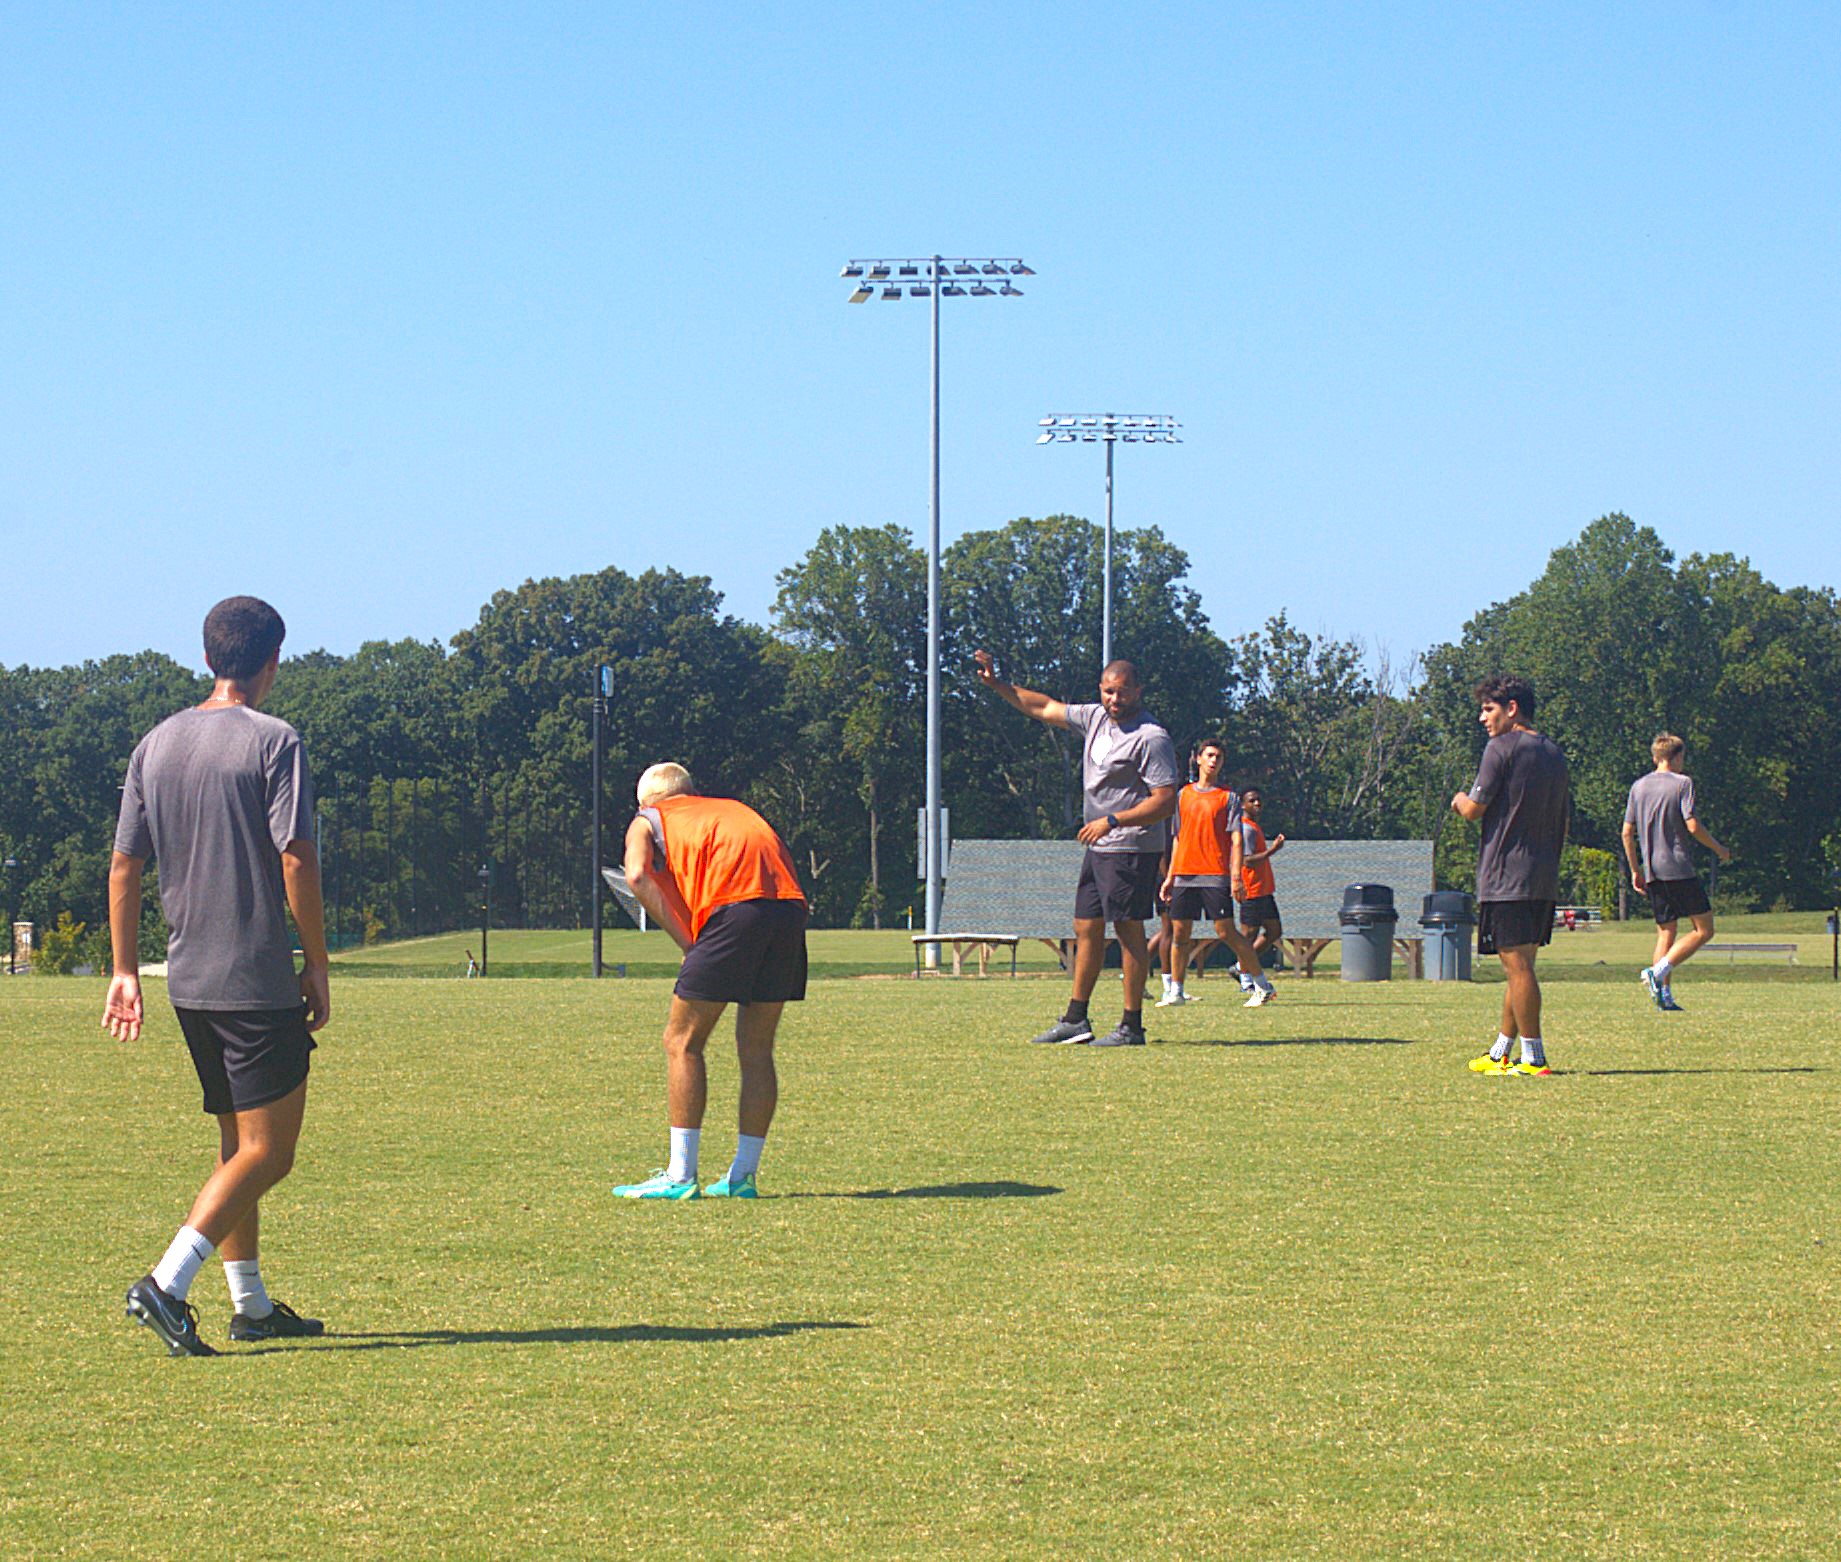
(1198, 902)
(1673, 899)
(1504, 924)
(1258, 910)
(750, 952)
(247, 1058)
(1118, 886)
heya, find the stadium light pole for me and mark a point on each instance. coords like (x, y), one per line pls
(12, 866)
(603, 688)
(934, 277)
(1109, 429)
(485, 913)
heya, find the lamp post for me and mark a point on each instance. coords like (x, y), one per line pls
(934, 277)
(1109, 429)
(603, 687)
(12, 866)
(485, 914)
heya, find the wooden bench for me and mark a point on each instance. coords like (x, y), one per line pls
(1733, 951)
(1410, 948)
(980, 944)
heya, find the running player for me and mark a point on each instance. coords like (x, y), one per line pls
(1258, 908)
(713, 874)
(1660, 817)
(1205, 863)
(1521, 797)
(220, 796)
(1128, 783)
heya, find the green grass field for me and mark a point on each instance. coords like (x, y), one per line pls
(1290, 1282)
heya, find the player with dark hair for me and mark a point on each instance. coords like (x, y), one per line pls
(1204, 870)
(1521, 797)
(1128, 785)
(1659, 821)
(1259, 917)
(219, 795)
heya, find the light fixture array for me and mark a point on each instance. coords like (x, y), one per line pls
(918, 278)
(1119, 428)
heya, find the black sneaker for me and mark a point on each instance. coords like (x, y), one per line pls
(1122, 1035)
(174, 1321)
(1064, 1033)
(284, 1323)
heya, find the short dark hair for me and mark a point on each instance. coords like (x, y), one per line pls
(1507, 689)
(241, 634)
(1250, 791)
(1202, 743)
(1123, 668)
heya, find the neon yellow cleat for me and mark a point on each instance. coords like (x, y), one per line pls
(1534, 1070)
(1488, 1065)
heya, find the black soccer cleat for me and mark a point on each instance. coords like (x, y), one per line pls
(284, 1323)
(1064, 1033)
(174, 1321)
(1121, 1035)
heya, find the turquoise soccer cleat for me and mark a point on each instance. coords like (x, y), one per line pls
(658, 1186)
(725, 1189)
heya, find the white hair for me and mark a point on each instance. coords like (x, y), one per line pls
(661, 781)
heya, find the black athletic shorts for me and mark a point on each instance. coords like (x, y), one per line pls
(1673, 899)
(1118, 886)
(247, 1057)
(1503, 924)
(1258, 911)
(750, 952)
(1201, 902)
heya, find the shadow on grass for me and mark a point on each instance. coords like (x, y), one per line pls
(1288, 1041)
(1644, 1073)
(945, 1190)
(623, 1334)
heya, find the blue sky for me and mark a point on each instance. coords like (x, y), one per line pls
(373, 311)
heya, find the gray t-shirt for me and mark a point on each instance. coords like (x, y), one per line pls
(1525, 791)
(215, 797)
(1660, 806)
(1120, 764)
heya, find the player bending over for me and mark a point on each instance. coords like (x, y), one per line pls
(1258, 884)
(713, 874)
(1128, 787)
(1204, 865)
(1521, 796)
(220, 796)
(1660, 818)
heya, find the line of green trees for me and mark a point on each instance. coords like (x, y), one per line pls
(432, 759)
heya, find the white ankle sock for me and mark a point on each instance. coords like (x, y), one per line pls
(1661, 971)
(683, 1167)
(1500, 1052)
(175, 1272)
(248, 1295)
(747, 1160)
(1532, 1052)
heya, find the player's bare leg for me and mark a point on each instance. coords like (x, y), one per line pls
(755, 1026)
(1134, 956)
(1242, 947)
(1683, 948)
(1521, 1007)
(687, 1029)
(1089, 955)
(260, 1145)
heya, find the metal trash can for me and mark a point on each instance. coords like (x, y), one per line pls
(1447, 916)
(1367, 921)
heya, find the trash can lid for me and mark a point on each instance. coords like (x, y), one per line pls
(1446, 906)
(1368, 895)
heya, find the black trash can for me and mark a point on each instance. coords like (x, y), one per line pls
(1367, 921)
(1447, 916)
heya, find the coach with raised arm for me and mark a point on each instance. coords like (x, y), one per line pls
(1128, 785)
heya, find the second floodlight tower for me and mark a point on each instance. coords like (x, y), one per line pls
(1109, 429)
(935, 277)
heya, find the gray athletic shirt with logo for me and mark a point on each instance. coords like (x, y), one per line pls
(215, 797)
(1660, 806)
(1120, 764)
(1526, 791)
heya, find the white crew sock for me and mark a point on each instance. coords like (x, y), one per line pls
(248, 1295)
(175, 1272)
(1261, 981)
(683, 1167)
(1661, 971)
(747, 1156)
(1170, 984)
(1531, 1051)
(1245, 981)
(1500, 1051)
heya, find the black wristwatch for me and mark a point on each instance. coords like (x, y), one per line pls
(1112, 821)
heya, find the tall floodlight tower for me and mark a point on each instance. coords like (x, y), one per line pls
(1109, 429)
(934, 277)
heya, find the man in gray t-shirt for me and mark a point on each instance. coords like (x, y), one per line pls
(1659, 823)
(1521, 797)
(219, 796)
(1128, 788)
